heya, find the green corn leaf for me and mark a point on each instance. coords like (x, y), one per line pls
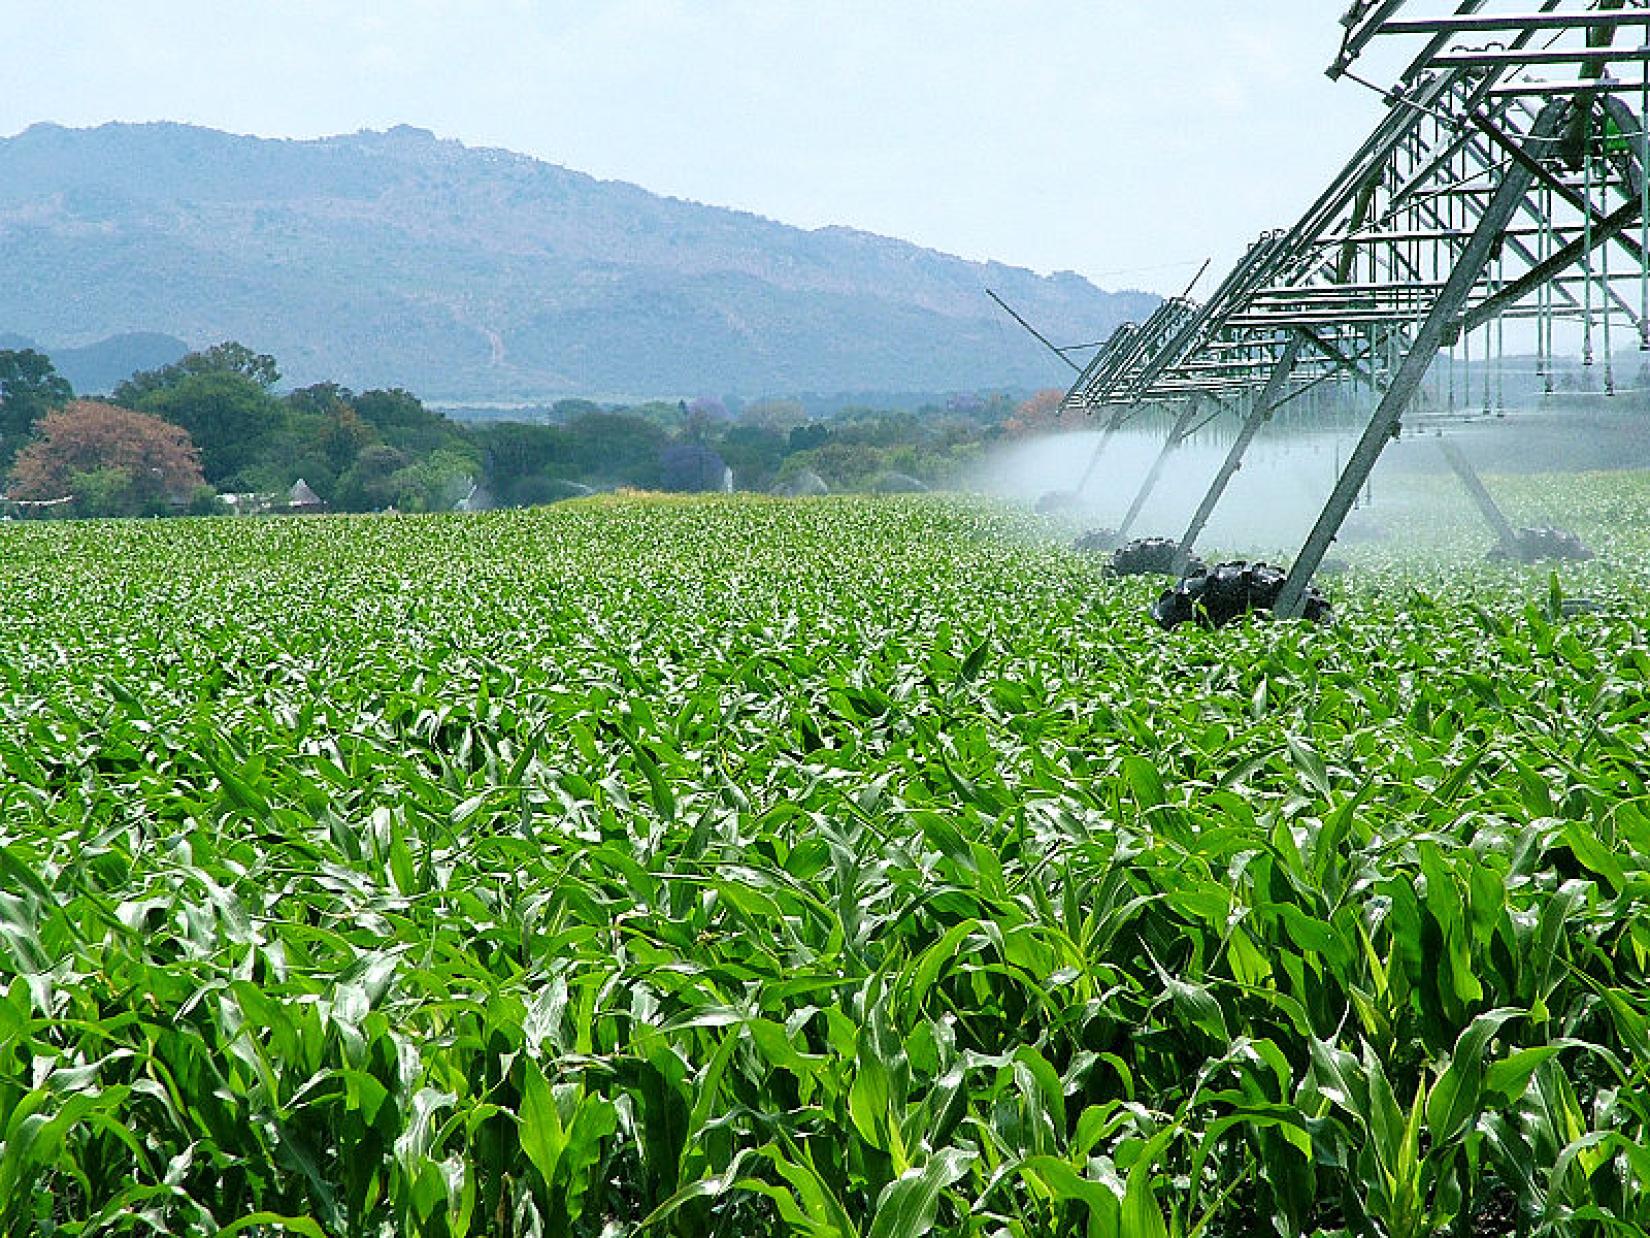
(543, 1137)
(907, 1206)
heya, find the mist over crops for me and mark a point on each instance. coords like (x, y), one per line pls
(840, 867)
(1285, 477)
(1270, 504)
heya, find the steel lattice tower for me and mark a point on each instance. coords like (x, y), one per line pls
(1505, 182)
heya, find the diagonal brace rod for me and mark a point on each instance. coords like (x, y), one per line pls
(1623, 217)
(1570, 195)
(1258, 416)
(1468, 269)
(1039, 336)
(1177, 435)
(1480, 495)
(1113, 424)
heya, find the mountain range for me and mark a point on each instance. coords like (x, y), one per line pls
(397, 258)
(97, 367)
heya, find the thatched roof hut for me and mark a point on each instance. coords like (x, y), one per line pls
(304, 499)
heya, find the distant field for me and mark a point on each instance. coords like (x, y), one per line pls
(839, 867)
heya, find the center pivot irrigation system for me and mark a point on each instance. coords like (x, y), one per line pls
(1506, 180)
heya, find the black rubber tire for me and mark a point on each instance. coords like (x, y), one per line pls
(1542, 544)
(1149, 556)
(1227, 592)
(1097, 541)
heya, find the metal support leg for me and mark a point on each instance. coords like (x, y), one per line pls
(1487, 507)
(1170, 445)
(1258, 416)
(1112, 424)
(1445, 312)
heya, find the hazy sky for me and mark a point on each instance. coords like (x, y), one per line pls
(1124, 139)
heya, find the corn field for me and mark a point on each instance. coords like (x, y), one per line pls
(841, 868)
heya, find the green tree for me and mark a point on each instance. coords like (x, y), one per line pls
(370, 483)
(230, 417)
(662, 413)
(107, 492)
(566, 410)
(845, 466)
(226, 358)
(401, 420)
(320, 398)
(515, 454)
(754, 453)
(432, 484)
(615, 449)
(808, 437)
(30, 387)
(781, 415)
(341, 436)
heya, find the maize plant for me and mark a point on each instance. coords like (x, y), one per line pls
(848, 868)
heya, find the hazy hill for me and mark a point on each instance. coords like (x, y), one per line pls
(394, 257)
(96, 368)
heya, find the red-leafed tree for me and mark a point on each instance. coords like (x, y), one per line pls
(1042, 414)
(115, 462)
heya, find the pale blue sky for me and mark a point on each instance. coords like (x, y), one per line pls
(1124, 139)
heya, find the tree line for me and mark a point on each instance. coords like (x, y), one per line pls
(215, 423)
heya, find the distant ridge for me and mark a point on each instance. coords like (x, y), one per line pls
(477, 274)
(94, 369)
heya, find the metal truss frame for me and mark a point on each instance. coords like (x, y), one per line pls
(1507, 170)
